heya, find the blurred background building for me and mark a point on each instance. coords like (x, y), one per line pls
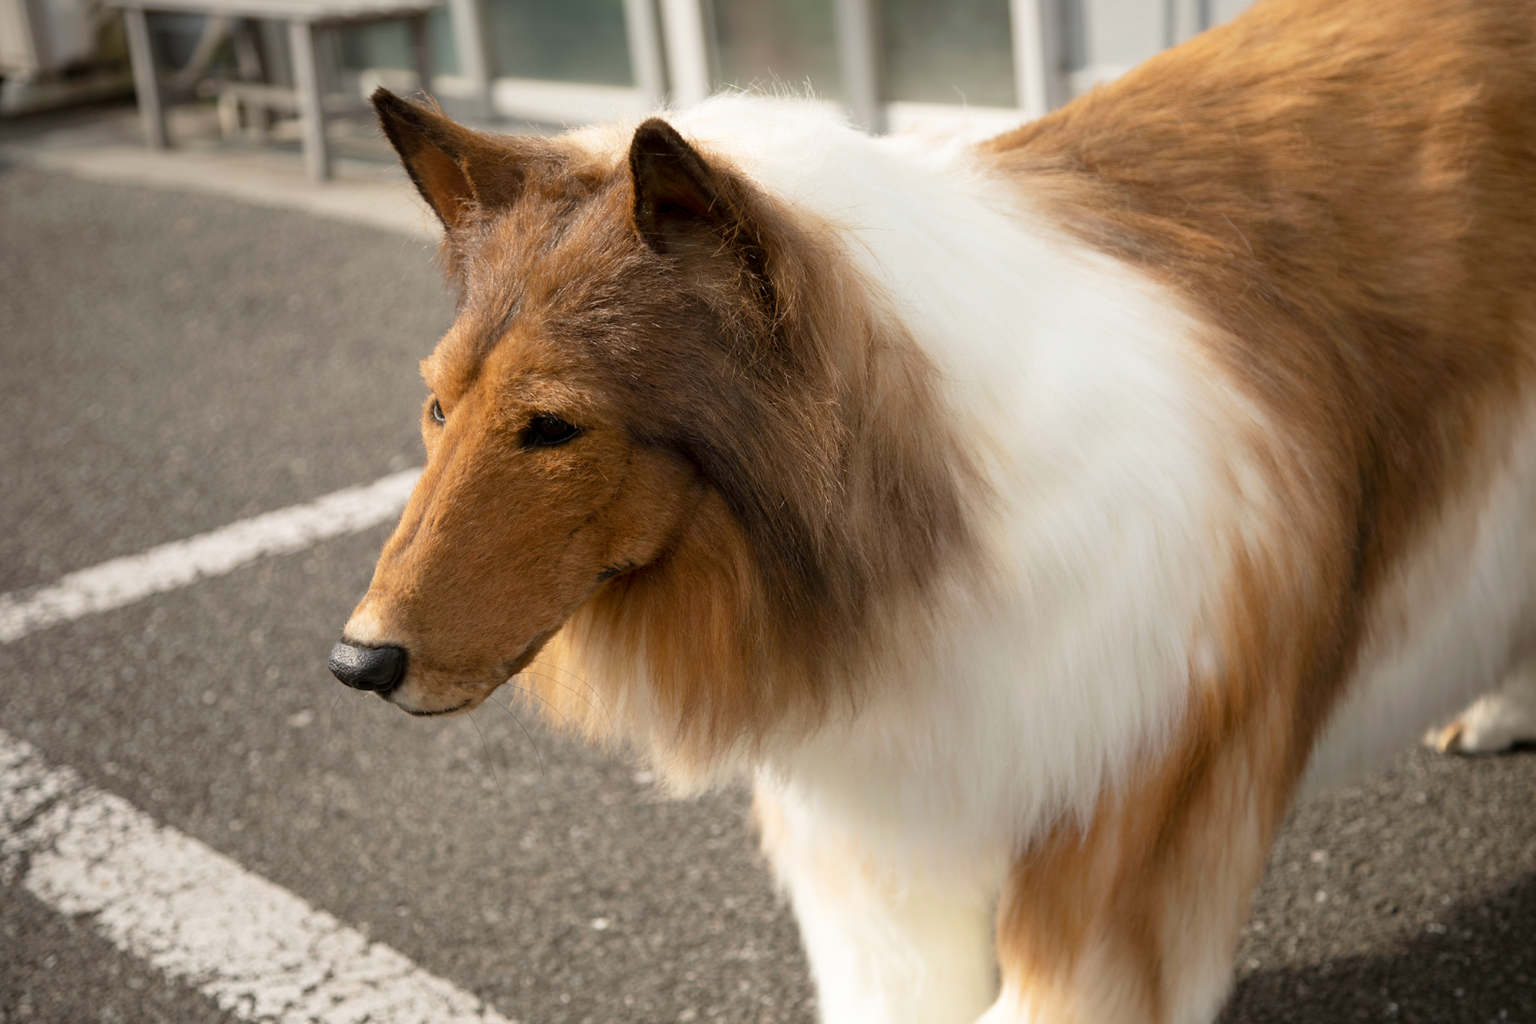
(889, 62)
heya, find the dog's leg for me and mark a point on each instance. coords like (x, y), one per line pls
(882, 950)
(1135, 918)
(1497, 721)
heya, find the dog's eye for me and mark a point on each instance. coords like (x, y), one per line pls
(437, 412)
(547, 431)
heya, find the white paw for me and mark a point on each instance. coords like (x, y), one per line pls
(1495, 723)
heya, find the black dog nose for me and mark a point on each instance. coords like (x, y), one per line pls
(368, 668)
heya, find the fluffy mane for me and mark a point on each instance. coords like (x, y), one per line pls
(838, 487)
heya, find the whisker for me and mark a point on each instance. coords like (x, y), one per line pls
(523, 727)
(489, 760)
(535, 674)
(557, 667)
(599, 706)
(539, 696)
(331, 721)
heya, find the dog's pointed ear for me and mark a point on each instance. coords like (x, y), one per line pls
(685, 208)
(459, 172)
(678, 198)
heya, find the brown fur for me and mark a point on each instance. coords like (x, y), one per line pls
(1344, 193)
(1348, 192)
(763, 467)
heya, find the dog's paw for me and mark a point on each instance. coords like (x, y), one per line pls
(1497, 722)
(1446, 738)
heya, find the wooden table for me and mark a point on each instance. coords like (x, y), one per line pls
(306, 20)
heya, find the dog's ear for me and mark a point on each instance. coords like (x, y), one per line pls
(459, 172)
(685, 208)
(676, 196)
(696, 214)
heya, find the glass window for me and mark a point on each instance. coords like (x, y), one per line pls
(955, 51)
(444, 59)
(773, 43)
(388, 45)
(564, 41)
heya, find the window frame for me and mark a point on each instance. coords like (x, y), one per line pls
(671, 45)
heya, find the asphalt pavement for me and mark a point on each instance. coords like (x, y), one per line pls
(172, 362)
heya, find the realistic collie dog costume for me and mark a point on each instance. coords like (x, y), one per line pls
(1031, 517)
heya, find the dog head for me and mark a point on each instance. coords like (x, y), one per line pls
(581, 405)
(668, 414)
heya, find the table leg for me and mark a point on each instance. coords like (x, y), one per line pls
(471, 39)
(146, 78)
(306, 82)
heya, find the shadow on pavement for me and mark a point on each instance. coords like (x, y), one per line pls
(1481, 967)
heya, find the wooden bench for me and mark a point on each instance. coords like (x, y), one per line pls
(306, 19)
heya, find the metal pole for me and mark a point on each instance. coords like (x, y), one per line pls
(1039, 84)
(472, 43)
(682, 25)
(859, 50)
(645, 54)
(146, 80)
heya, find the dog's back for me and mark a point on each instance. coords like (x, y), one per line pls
(1346, 194)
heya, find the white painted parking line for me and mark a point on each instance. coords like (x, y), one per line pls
(126, 580)
(256, 949)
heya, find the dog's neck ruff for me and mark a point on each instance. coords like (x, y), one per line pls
(1078, 445)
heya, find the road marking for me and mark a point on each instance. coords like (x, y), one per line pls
(126, 580)
(259, 951)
